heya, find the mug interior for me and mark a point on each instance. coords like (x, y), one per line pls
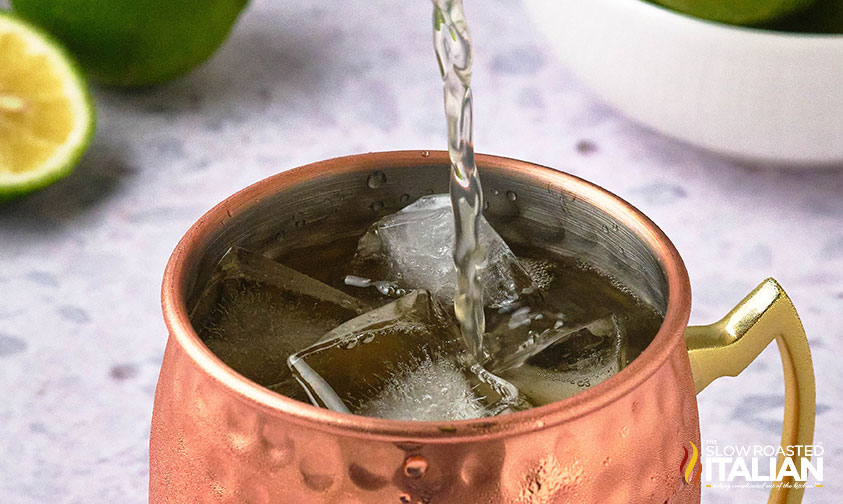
(528, 205)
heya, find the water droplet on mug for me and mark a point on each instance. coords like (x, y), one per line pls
(425, 153)
(376, 206)
(486, 205)
(376, 179)
(605, 228)
(300, 223)
(404, 198)
(415, 466)
(405, 499)
(511, 196)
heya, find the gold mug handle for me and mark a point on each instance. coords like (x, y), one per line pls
(726, 348)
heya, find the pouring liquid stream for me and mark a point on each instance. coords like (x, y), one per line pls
(452, 43)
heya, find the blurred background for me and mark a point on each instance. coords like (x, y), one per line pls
(81, 332)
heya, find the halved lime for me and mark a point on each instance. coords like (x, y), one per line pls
(46, 113)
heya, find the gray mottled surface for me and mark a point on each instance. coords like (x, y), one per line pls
(81, 334)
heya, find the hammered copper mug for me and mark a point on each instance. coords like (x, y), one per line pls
(218, 437)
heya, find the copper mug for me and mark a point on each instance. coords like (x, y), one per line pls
(218, 437)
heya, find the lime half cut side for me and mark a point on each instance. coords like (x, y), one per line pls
(46, 113)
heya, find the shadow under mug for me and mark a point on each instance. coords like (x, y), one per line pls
(218, 437)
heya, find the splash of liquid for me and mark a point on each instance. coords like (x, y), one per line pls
(452, 43)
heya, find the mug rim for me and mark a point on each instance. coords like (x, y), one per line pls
(656, 353)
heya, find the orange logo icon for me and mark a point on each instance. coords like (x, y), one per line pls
(686, 467)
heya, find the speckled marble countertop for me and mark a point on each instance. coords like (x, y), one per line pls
(81, 333)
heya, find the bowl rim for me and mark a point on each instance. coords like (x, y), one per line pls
(192, 245)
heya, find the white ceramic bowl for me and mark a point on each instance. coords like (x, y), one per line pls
(748, 93)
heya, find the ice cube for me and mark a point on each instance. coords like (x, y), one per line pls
(405, 360)
(256, 312)
(426, 389)
(576, 360)
(538, 319)
(540, 271)
(414, 247)
(517, 333)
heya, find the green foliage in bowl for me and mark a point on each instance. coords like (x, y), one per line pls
(738, 12)
(825, 16)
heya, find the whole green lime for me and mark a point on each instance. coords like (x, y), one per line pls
(135, 42)
(738, 12)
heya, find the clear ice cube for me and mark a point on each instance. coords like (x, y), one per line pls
(426, 389)
(577, 359)
(516, 334)
(414, 247)
(405, 361)
(256, 312)
(527, 326)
